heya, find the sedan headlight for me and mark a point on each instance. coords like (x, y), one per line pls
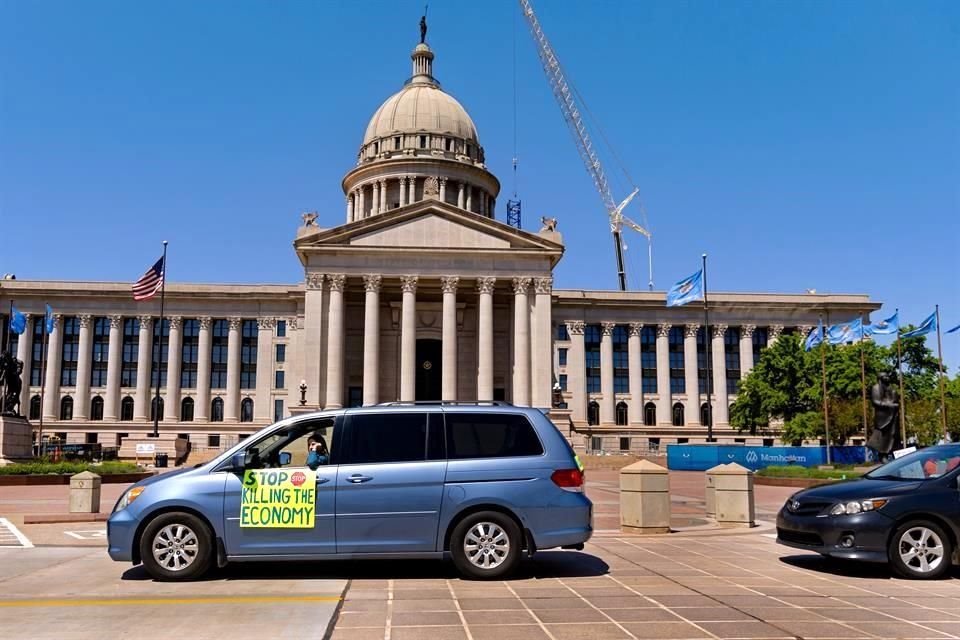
(129, 496)
(856, 506)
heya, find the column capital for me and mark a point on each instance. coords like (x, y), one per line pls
(449, 284)
(116, 322)
(266, 323)
(486, 285)
(663, 330)
(774, 331)
(176, 322)
(443, 180)
(292, 323)
(576, 327)
(746, 331)
(57, 320)
(206, 322)
(691, 330)
(337, 281)
(606, 328)
(521, 285)
(314, 281)
(805, 329)
(636, 328)
(408, 284)
(85, 319)
(146, 322)
(372, 282)
(236, 322)
(719, 330)
(543, 285)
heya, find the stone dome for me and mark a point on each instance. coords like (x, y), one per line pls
(421, 107)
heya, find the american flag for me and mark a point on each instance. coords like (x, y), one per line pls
(149, 283)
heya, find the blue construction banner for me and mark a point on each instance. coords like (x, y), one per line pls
(700, 457)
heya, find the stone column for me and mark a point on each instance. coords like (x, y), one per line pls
(577, 372)
(312, 337)
(201, 408)
(51, 400)
(443, 189)
(521, 344)
(111, 404)
(371, 339)
(383, 197)
(469, 198)
(24, 351)
(691, 413)
(746, 349)
(663, 374)
(541, 352)
(774, 332)
(412, 190)
(231, 408)
(171, 399)
(335, 341)
(485, 339)
(461, 195)
(408, 339)
(349, 208)
(262, 409)
(607, 413)
(81, 400)
(719, 376)
(448, 383)
(361, 213)
(636, 373)
(141, 399)
(493, 207)
(403, 191)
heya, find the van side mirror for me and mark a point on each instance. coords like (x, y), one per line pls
(238, 461)
(285, 458)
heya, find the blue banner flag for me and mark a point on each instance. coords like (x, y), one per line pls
(845, 332)
(884, 327)
(928, 325)
(815, 337)
(955, 329)
(18, 321)
(687, 290)
(48, 324)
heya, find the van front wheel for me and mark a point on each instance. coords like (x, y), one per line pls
(486, 545)
(176, 546)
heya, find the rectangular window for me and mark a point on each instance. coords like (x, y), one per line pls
(277, 410)
(220, 332)
(281, 353)
(678, 383)
(189, 353)
(562, 357)
(624, 444)
(248, 354)
(101, 352)
(130, 352)
(621, 372)
(281, 328)
(702, 378)
(354, 396)
(490, 435)
(161, 353)
(591, 344)
(731, 355)
(423, 142)
(759, 342)
(448, 144)
(70, 349)
(648, 359)
(596, 443)
(563, 381)
(562, 332)
(396, 142)
(36, 352)
(90, 438)
(279, 380)
(378, 438)
(213, 440)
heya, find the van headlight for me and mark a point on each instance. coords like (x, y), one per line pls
(129, 496)
(856, 506)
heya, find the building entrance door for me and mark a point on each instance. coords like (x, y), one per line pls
(429, 368)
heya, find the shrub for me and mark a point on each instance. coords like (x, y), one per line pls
(69, 468)
(796, 471)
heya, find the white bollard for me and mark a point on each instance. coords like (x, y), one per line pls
(644, 498)
(85, 493)
(734, 496)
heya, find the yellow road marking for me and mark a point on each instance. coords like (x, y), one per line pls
(105, 602)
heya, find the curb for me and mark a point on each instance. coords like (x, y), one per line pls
(55, 518)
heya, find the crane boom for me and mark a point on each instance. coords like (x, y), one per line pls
(571, 115)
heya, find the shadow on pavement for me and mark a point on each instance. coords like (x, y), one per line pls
(546, 564)
(848, 568)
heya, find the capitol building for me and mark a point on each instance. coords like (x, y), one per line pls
(420, 295)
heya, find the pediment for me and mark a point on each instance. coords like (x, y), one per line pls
(430, 231)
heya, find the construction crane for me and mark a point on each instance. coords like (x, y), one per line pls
(568, 101)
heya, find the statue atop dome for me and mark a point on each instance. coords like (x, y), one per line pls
(423, 26)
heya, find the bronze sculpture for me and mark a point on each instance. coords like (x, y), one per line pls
(886, 412)
(423, 29)
(10, 370)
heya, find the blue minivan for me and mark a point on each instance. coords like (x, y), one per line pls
(481, 483)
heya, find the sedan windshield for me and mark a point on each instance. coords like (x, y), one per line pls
(926, 464)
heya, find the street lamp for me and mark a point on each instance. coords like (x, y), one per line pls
(303, 393)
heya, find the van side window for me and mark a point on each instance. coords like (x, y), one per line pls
(385, 437)
(490, 435)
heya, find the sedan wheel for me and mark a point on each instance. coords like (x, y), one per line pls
(920, 550)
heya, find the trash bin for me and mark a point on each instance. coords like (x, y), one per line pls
(160, 461)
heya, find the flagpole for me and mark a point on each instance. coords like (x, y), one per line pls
(43, 380)
(159, 358)
(708, 347)
(943, 401)
(903, 397)
(823, 369)
(863, 381)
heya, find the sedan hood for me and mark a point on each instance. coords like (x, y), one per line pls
(860, 489)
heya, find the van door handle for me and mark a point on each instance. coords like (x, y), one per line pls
(357, 479)
(323, 480)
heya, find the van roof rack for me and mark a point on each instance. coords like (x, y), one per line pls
(446, 403)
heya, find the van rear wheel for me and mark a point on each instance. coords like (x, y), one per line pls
(176, 546)
(486, 545)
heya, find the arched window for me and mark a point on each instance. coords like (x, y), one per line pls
(216, 410)
(153, 409)
(96, 408)
(35, 408)
(66, 408)
(126, 408)
(186, 410)
(593, 413)
(622, 413)
(678, 417)
(650, 414)
(704, 414)
(246, 410)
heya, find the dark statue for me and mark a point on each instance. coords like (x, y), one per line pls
(885, 436)
(423, 29)
(10, 370)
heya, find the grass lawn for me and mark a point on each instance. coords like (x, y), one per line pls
(796, 471)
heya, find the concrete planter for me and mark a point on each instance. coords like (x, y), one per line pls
(64, 479)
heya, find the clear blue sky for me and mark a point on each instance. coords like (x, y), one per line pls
(802, 144)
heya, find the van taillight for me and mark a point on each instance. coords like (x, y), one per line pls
(568, 479)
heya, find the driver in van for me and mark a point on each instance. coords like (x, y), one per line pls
(317, 452)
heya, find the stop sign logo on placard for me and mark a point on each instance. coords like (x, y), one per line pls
(298, 478)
